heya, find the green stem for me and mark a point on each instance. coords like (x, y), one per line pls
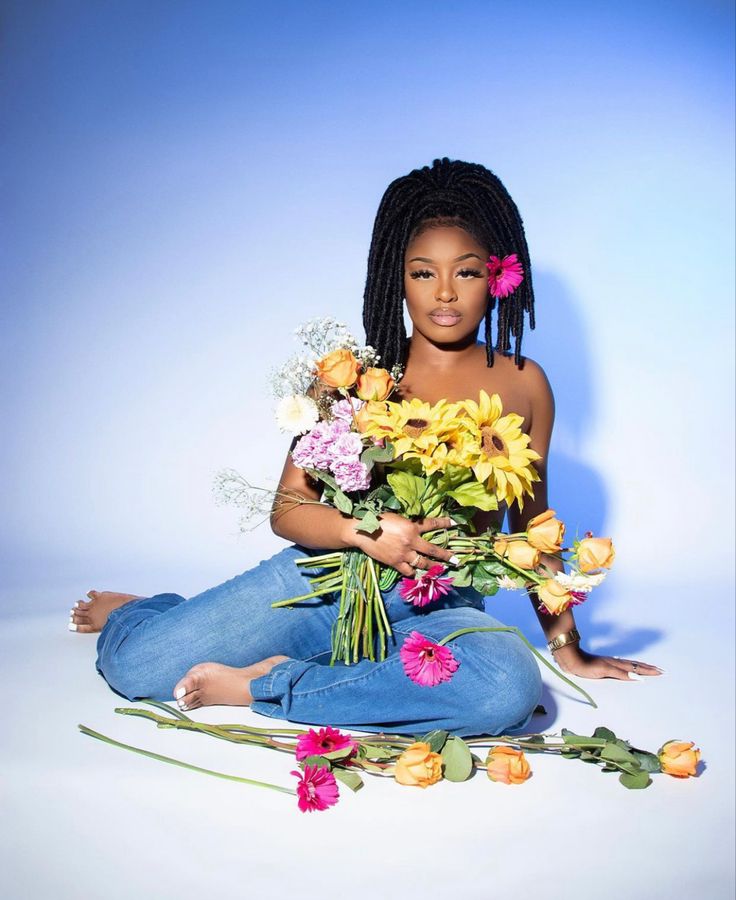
(184, 765)
(513, 628)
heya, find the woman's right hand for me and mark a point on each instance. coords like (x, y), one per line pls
(399, 543)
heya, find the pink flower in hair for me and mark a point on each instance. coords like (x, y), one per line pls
(425, 662)
(313, 743)
(427, 587)
(506, 275)
(317, 788)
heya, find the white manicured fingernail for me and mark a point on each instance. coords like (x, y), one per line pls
(72, 626)
(635, 677)
(454, 560)
(180, 693)
(453, 521)
(183, 706)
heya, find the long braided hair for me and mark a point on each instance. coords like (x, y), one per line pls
(449, 192)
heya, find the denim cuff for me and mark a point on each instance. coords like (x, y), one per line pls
(271, 693)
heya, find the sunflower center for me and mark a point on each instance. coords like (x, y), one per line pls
(493, 444)
(414, 427)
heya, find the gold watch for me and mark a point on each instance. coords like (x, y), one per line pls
(568, 637)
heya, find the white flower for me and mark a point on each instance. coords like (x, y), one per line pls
(507, 583)
(579, 582)
(296, 414)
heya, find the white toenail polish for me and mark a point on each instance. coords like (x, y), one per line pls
(72, 626)
(635, 677)
(180, 692)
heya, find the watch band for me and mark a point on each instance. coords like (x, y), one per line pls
(568, 637)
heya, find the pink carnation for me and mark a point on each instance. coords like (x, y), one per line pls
(347, 447)
(427, 587)
(506, 275)
(425, 662)
(352, 476)
(342, 409)
(317, 788)
(313, 743)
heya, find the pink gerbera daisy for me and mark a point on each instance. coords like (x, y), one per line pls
(317, 788)
(428, 587)
(506, 275)
(425, 662)
(314, 743)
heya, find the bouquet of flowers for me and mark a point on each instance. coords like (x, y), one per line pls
(372, 455)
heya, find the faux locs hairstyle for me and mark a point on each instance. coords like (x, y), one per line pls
(449, 192)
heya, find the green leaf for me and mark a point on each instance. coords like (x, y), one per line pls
(462, 576)
(452, 477)
(648, 761)
(375, 752)
(351, 779)
(618, 755)
(635, 780)
(315, 760)
(457, 759)
(369, 523)
(408, 489)
(338, 754)
(473, 493)
(436, 739)
(603, 732)
(343, 502)
(374, 454)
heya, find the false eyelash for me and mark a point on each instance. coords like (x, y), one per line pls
(476, 273)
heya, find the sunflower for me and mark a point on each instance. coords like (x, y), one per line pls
(501, 449)
(415, 428)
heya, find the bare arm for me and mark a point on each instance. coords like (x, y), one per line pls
(540, 432)
(571, 658)
(398, 543)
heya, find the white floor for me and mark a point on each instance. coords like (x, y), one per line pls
(83, 819)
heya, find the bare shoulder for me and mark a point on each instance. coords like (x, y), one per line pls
(531, 375)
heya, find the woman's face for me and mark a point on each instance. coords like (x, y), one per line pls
(446, 284)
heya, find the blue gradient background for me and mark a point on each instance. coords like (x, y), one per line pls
(183, 183)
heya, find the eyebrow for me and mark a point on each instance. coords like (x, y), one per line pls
(457, 259)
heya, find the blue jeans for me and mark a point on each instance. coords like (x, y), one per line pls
(148, 645)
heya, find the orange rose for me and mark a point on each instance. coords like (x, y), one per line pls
(554, 596)
(679, 758)
(545, 532)
(374, 384)
(418, 766)
(367, 413)
(338, 369)
(508, 765)
(595, 553)
(518, 553)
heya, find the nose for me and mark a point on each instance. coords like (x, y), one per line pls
(445, 289)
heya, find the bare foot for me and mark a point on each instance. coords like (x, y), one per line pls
(208, 684)
(88, 616)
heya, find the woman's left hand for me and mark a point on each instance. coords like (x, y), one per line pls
(573, 660)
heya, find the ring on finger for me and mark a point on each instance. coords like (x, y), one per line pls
(415, 563)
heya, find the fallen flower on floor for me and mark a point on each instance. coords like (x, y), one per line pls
(418, 766)
(679, 758)
(507, 765)
(317, 788)
(327, 739)
(425, 662)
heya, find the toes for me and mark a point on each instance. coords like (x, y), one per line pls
(191, 701)
(83, 604)
(92, 595)
(81, 629)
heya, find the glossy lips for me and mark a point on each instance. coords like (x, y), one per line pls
(444, 316)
